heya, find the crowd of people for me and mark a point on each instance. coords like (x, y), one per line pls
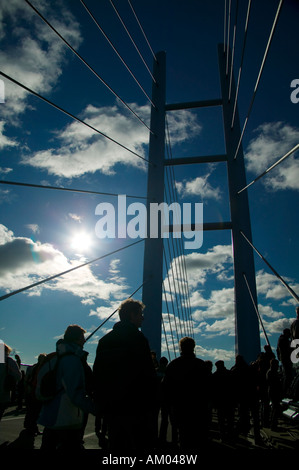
(127, 389)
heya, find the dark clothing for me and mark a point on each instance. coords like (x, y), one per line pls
(223, 400)
(275, 393)
(125, 386)
(245, 382)
(284, 351)
(295, 329)
(188, 388)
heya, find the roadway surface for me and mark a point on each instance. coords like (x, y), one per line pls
(285, 439)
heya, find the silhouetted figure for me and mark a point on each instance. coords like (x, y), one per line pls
(126, 383)
(295, 326)
(10, 375)
(188, 388)
(20, 386)
(33, 405)
(155, 360)
(261, 366)
(284, 351)
(274, 392)
(223, 400)
(209, 366)
(163, 401)
(245, 386)
(64, 417)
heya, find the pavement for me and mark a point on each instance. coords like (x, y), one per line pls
(284, 439)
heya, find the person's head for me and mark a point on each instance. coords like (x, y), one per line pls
(74, 334)
(297, 311)
(287, 332)
(163, 361)
(219, 364)
(41, 358)
(131, 311)
(7, 349)
(187, 345)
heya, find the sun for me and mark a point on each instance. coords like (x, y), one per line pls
(81, 242)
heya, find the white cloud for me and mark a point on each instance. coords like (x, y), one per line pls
(37, 55)
(183, 125)
(80, 150)
(199, 265)
(198, 187)
(24, 262)
(75, 217)
(5, 142)
(270, 286)
(33, 227)
(273, 141)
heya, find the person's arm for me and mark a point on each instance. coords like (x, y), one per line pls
(73, 381)
(13, 369)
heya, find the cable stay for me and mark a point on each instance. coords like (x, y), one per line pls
(181, 251)
(3, 297)
(175, 289)
(116, 51)
(60, 188)
(179, 276)
(293, 294)
(259, 75)
(165, 336)
(132, 8)
(241, 63)
(233, 51)
(87, 65)
(224, 25)
(126, 29)
(228, 34)
(70, 115)
(171, 294)
(256, 310)
(271, 167)
(171, 333)
(113, 313)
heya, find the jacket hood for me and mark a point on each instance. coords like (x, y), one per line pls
(63, 347)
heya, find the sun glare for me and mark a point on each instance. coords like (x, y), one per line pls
(81, 242)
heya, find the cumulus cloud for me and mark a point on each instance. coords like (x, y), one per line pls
(270, 286)
(271, 142)
(80, 150)
(198, 187)
(213, 310)
(37, 57)
(24, 262)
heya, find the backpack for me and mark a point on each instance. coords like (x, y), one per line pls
(46, 387)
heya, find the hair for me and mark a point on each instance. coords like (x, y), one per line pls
(187, 344)
(130, 306)
(73, 333)
(8, 349)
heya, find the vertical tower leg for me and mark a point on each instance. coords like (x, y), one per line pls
(246, 321)
(153, 250)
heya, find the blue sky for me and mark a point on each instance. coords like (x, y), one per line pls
(41, 145)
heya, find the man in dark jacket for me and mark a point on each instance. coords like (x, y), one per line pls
(187, 383)
(125, 381)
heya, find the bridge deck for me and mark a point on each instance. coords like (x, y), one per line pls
(286, 438)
